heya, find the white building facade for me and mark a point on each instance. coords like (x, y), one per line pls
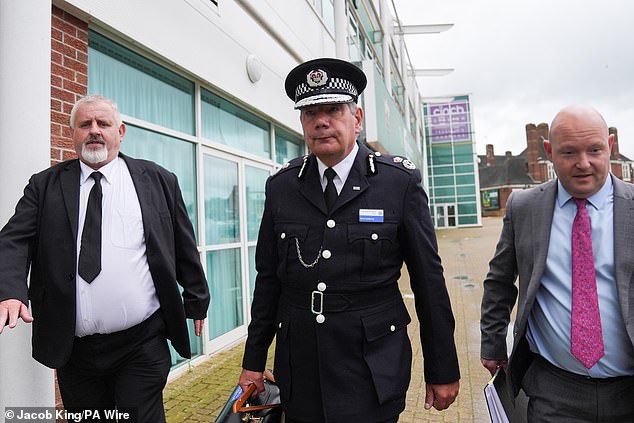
(200, 86)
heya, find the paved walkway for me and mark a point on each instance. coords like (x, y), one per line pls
(199, 394)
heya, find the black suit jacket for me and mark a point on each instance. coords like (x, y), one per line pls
(355, 366)
(41, 237)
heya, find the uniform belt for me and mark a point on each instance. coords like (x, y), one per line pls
(335, 302)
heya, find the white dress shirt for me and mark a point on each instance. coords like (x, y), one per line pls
(123, 294)
(342, 169)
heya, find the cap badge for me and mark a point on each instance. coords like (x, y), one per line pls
(316, 78)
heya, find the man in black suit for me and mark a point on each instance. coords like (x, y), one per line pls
(337, 226)
(106, 238)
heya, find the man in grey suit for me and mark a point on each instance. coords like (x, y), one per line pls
(573, 348)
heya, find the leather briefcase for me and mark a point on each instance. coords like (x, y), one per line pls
(244, 407)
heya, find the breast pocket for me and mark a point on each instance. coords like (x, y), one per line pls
(127, 230)
(369, 244)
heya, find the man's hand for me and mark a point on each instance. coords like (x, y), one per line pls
(11, 310)
(493, 365)
(441, 396)
(198, 326)
(247, 377)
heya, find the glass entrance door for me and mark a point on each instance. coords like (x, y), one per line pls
(233, 204)
(445, 216)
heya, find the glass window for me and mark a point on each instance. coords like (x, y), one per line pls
(140, 87)
(222, 205)
(255, 184)
(287, 146)
(626, 171)
(465, 179)
(328, 14)
(228, 124)
(466, 190)
(469, 168)
(172, 153)
(252, 272)
(225, 286)
(440, 181)
(444, 192)
(442, 170)
(467, 220)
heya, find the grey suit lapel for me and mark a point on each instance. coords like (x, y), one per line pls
(542, 219)
(70, 192)
(624, 248)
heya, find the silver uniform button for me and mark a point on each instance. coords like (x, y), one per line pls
(283, 235)
(321, 286)
(320, 318)
(326, 254)
(330, 223)
(375, 237)
(392, 328)
(280, 325)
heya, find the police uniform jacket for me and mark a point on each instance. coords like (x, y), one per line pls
(327, 289)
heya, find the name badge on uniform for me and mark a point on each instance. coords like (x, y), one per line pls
(371, 215)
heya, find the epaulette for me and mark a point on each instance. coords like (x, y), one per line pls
(293, 164)
(399, 162)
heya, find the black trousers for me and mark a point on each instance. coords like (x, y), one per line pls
(556, 395)
(126, 370)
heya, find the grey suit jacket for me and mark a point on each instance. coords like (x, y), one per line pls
(522, 251)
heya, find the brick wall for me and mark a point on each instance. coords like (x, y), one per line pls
(69, 78)
(69, 82)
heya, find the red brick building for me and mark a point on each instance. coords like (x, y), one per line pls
(501, 175)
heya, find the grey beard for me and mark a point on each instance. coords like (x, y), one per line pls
(94, 156)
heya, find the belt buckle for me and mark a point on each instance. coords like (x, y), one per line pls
(320, 296)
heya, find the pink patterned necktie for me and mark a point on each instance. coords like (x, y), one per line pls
(586, 337)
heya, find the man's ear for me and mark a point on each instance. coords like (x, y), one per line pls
(121, 131)
(358, 117)
(549, 149)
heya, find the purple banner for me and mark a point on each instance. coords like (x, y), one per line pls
(449, 122)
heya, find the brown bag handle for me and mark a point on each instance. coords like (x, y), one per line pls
(238, 405)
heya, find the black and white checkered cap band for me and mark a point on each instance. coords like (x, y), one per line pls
(338, 89)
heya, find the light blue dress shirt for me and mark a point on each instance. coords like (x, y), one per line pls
(549, 323)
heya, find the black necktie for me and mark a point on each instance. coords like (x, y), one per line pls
(330, 193)
(90, 250)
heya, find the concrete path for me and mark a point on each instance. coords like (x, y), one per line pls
(200, 393)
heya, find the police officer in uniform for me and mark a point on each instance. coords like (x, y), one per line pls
(337, 226)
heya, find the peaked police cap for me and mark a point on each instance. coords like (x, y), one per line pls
(324, 81)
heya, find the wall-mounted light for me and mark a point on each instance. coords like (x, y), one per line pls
(254, 68)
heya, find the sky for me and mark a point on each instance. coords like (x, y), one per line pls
(523, 60)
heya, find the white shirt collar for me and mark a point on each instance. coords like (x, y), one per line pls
(342, 168)
(106, 170)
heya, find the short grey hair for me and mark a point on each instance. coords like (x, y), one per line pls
(95, 99)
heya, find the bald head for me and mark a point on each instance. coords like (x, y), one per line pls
(579, 147)
(579, 116)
